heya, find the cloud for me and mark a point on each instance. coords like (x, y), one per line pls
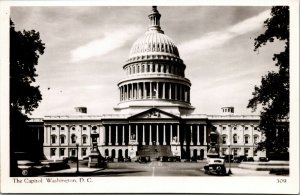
(218, 38)
(109, 42)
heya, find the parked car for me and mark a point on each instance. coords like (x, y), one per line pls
(144, 159)
(29, 168)
(263, 159)
(215, 166)
(248, 159)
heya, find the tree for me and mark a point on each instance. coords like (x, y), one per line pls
(273, 93)
(25, 49)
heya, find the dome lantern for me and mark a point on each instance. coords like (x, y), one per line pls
(154, 23)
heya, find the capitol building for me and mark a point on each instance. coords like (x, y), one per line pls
(154, 116)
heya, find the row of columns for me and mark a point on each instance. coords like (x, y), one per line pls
(130, 138)
(154, 68)
(155, 90)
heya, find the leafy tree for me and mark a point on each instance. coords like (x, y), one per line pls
(273, 93)
(25, 49)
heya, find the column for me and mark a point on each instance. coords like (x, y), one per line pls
(252, 129)
(164, 137)
(137, 134)
(138, 90)
(129, 133)
(151, 90)
(198, 141)
(204, 136)
(150, 134)
(117, 141)
(171, 133)
(170, 91)
(156, 90)
(123, 134)
(109, 135)
(178, 133)
(192, 135)
(144, 89)
(157, 135)
(144, 143)
(164, 88)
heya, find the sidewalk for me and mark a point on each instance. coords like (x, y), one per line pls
(248, 172)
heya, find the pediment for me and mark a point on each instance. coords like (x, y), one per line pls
(154, 113)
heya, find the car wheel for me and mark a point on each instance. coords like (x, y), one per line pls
(25, 172)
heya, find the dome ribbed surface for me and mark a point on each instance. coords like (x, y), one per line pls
(154, 43)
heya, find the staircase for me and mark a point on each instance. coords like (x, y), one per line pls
(154, 151)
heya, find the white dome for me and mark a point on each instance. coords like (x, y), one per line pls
(154, 43)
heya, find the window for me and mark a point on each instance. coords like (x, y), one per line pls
(224, 139)
(255, 139)
(234, 138)
(73, 139)
(84, 128)
(235, 152)
(62, 139)
(84, 139)
(62, 152)
(53, 139)
(83, 151)
(73, 128)
(52, 151)
(62, 128)
(234, 128)
(73, 152)
(255, 128)
(246, 139)
(53, 128)
(255, 152)
(224, 128)
(246, 128)
(224, 151)
(246, 151)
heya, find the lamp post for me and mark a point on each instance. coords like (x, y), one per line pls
(77, 166)
(229, 156)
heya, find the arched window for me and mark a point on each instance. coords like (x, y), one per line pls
(73, 139)
(246, 139)
(234, 138)
(53, 139)
(224, 139)
(62, 139)
(84, 139)
(106, 152)
(256, 137)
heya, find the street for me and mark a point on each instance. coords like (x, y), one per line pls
(152, 169)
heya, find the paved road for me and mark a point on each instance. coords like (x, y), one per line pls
(151, 169)
(154, 169)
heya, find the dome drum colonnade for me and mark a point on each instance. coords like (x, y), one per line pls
(154, 69)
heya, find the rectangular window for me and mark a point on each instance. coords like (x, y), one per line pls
(246, 128)
(255, 153)
(62, 152)
(83, 151)
(235, 152)
(62, 128)
(73, 152)
(53, 139)
(53, 128)
(224, 128)
(84, 128)
(246, 151)
(52, 151)
(224, 151)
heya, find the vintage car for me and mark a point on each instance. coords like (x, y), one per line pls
(215, 166)
(29, 168)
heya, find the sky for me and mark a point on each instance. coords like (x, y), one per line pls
(86, 48)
